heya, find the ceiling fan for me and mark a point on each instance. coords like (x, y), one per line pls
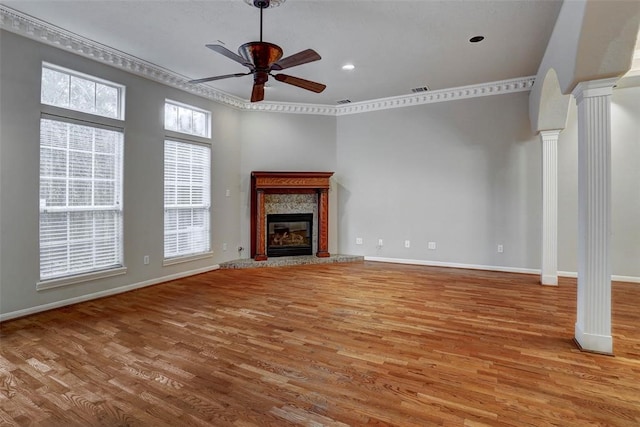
(262, 58)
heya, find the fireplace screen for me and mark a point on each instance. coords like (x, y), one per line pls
(289, 234)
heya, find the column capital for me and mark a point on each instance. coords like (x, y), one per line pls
(552, 134)
(592, 88)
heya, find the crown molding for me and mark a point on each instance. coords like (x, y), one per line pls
(521, 84)
(33, 28)
(41, 31)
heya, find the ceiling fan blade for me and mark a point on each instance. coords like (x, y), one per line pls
(299, 58)
(257, 94)
(226, 52)
(210, 79)
(304, 84)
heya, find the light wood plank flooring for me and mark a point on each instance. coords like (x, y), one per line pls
(342, 344)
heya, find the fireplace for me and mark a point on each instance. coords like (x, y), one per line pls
(289, 234)
(301, 186)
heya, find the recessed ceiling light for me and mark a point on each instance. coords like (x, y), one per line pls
(476, 39)
(348, 67)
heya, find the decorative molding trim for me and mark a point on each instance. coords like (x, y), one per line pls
(522, 84)
(102, 294)
(291, 108)
(33, 28)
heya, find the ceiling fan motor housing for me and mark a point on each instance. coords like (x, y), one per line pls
(260, 54)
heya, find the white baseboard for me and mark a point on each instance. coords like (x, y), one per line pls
(572, 274)
(454, 265)
(616, 278)
(102, 294)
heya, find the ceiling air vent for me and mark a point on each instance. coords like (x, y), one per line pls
(343, 101)
(420, 89)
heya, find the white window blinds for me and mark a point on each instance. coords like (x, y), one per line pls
(186, 199)
(80, 198)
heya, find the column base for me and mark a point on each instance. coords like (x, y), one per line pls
(549, 280)
(600, 344)
(260, 258)
(323, 254)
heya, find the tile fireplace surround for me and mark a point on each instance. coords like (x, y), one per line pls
(311, 183)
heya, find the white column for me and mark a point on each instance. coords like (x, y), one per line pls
(593, 326)
(549, 274)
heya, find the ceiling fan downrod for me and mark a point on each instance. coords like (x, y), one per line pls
(261, 4)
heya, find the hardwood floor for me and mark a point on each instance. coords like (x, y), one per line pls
(341, 344)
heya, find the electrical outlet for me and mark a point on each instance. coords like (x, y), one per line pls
(224, 246)
(380, 243)
(407, 243)
(500, 249)
(145, 260)
(358, 240)
(227, 193)
(432, 245)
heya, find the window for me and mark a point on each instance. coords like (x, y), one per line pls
(186, 199)
(80, 179)
(75, 91)
(80, 198)
(187, 119)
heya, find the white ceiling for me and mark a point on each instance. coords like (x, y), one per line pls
(395, 45)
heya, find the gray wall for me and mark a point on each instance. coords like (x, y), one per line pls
(465, 174)
(287, 142)
(143, 175)
(625, 186)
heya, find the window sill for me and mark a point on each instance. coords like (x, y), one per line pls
(80, 278)
(181, 259)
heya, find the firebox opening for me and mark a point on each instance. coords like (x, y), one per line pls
(289, 234)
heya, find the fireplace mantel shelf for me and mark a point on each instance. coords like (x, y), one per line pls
(288, 183)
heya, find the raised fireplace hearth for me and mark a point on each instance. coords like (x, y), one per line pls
(308, 191)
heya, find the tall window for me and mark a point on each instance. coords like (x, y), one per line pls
(186, 199)
(80, 185)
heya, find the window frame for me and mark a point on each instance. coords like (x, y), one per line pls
(120, 88)
(93, 120)
(172, 260)
(207, 114)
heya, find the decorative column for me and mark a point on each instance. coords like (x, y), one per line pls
(323, 223)
(261, 232)
(549, 273)
(593, 325)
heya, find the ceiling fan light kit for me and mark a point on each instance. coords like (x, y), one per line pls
(263, 57)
